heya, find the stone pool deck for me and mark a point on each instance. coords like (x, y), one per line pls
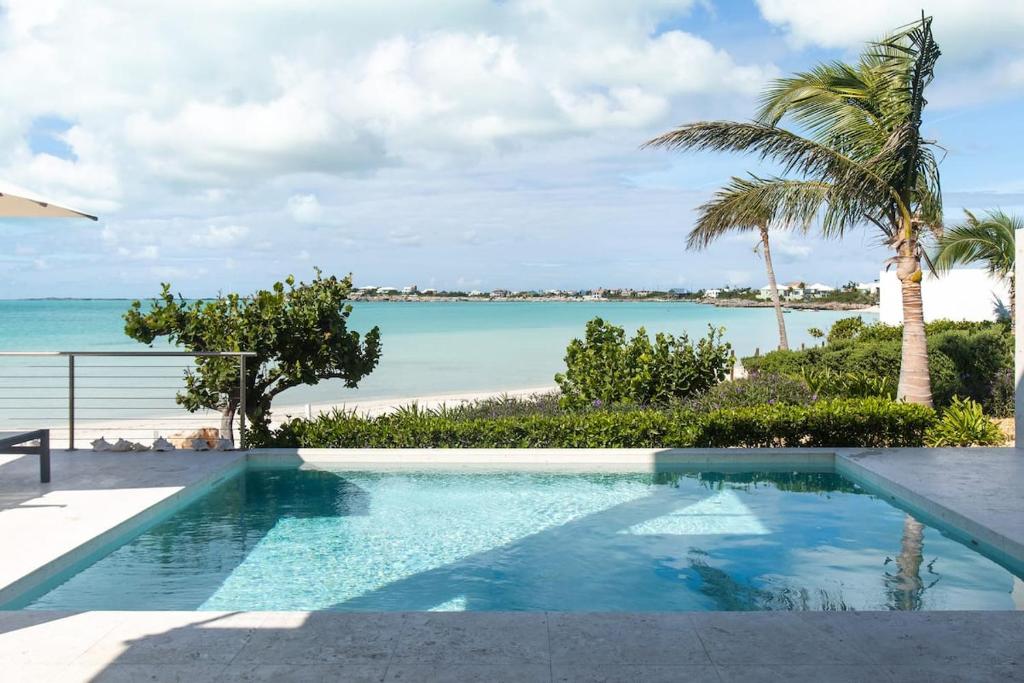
(94, 498)
(824, 647)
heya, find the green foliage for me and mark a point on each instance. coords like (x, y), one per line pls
(964, 423)
(844, 329)
(299, 333)
(605, 369)
(825, 382)
(842, 422)
(747, 392)
(990, 240)
(970, 359)
(815, 332)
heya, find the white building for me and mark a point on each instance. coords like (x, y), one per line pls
(868, 287)
(960, 294)
(819, 289)
(411, 289)
(712, 293)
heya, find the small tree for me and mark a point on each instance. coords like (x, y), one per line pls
(299, 333)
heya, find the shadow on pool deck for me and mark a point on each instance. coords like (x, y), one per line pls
(515, 646)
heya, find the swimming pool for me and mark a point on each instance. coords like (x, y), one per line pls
(318, 539)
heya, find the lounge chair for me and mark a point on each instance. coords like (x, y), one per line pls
(14, 442)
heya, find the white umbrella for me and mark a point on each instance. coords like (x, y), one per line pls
(17, 202)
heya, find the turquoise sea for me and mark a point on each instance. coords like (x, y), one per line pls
(434, 347)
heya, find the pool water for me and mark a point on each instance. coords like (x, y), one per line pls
(313, 539)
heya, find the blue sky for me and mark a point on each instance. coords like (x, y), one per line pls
(462, 144)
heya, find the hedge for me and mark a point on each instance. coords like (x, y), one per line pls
(869, 422)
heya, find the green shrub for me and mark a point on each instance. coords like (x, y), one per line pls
(605, 369)
(968, 359)
(759, 389)
(825, 382)
(964, 423)
(842, 422)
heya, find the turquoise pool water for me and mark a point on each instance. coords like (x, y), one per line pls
(280, 539)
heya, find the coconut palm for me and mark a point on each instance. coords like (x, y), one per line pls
(719, 216)
(861, 160)
(990, 240)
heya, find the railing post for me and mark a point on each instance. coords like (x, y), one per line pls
(241, 401)
(71, 402)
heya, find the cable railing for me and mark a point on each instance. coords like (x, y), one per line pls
(81, 396)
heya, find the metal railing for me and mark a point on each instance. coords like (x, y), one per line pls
(115, 394)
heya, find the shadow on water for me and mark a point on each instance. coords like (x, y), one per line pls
(188, 556)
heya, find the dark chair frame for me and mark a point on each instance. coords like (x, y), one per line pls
(15, 443)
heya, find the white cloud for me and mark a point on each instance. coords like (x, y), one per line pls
(305, 208)
(219, 236)
(963, 29)
(405, 238)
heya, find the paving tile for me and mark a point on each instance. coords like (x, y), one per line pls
(649, 639)
(303, 673)
(51, 637)
(323, 638)
(975, 673)
(763, 638)
(929, 639)
(822, 673)
(474, 637)
(140, 673)
(469, 673)
(174, 638)
(629, 673)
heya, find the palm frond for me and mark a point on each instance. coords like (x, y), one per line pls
(990, 240)
(752, 203)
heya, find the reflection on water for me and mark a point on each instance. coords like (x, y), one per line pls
(289, 539)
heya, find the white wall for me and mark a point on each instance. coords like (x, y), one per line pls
(960, 294)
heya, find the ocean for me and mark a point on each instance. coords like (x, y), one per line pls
(434, 348)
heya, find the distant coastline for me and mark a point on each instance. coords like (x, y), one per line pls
(719, 303)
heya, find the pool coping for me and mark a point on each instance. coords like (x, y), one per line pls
(959, 515)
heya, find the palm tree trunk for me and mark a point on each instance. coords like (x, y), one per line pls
(774, 290)
(915, 385)
(908, 585)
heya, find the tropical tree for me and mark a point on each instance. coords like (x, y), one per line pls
(990, 239)
(298, 332)
(860, 160)
(732, 210)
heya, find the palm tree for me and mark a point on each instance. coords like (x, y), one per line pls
(990, 239)
(862, 160)
(719, 216)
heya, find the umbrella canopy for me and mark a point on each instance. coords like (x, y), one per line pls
(17, 202)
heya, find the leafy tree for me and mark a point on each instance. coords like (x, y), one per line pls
(990, 239)
(862, 159)
(299, 333)
(604, 369)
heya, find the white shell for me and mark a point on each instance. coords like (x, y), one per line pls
(162, 444)
(200, 445)
(101, 444)
(122, 446)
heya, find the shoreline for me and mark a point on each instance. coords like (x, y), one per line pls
(718, 303)
(382, 406)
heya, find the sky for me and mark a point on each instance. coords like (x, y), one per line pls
(455, 144)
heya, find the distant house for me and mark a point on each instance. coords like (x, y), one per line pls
(429, 291)
(500, 293)
(792, 291)
(411, 289)
(868, 287)
(819, 289)
(476, 292)
(388, 290)
(712, 293)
